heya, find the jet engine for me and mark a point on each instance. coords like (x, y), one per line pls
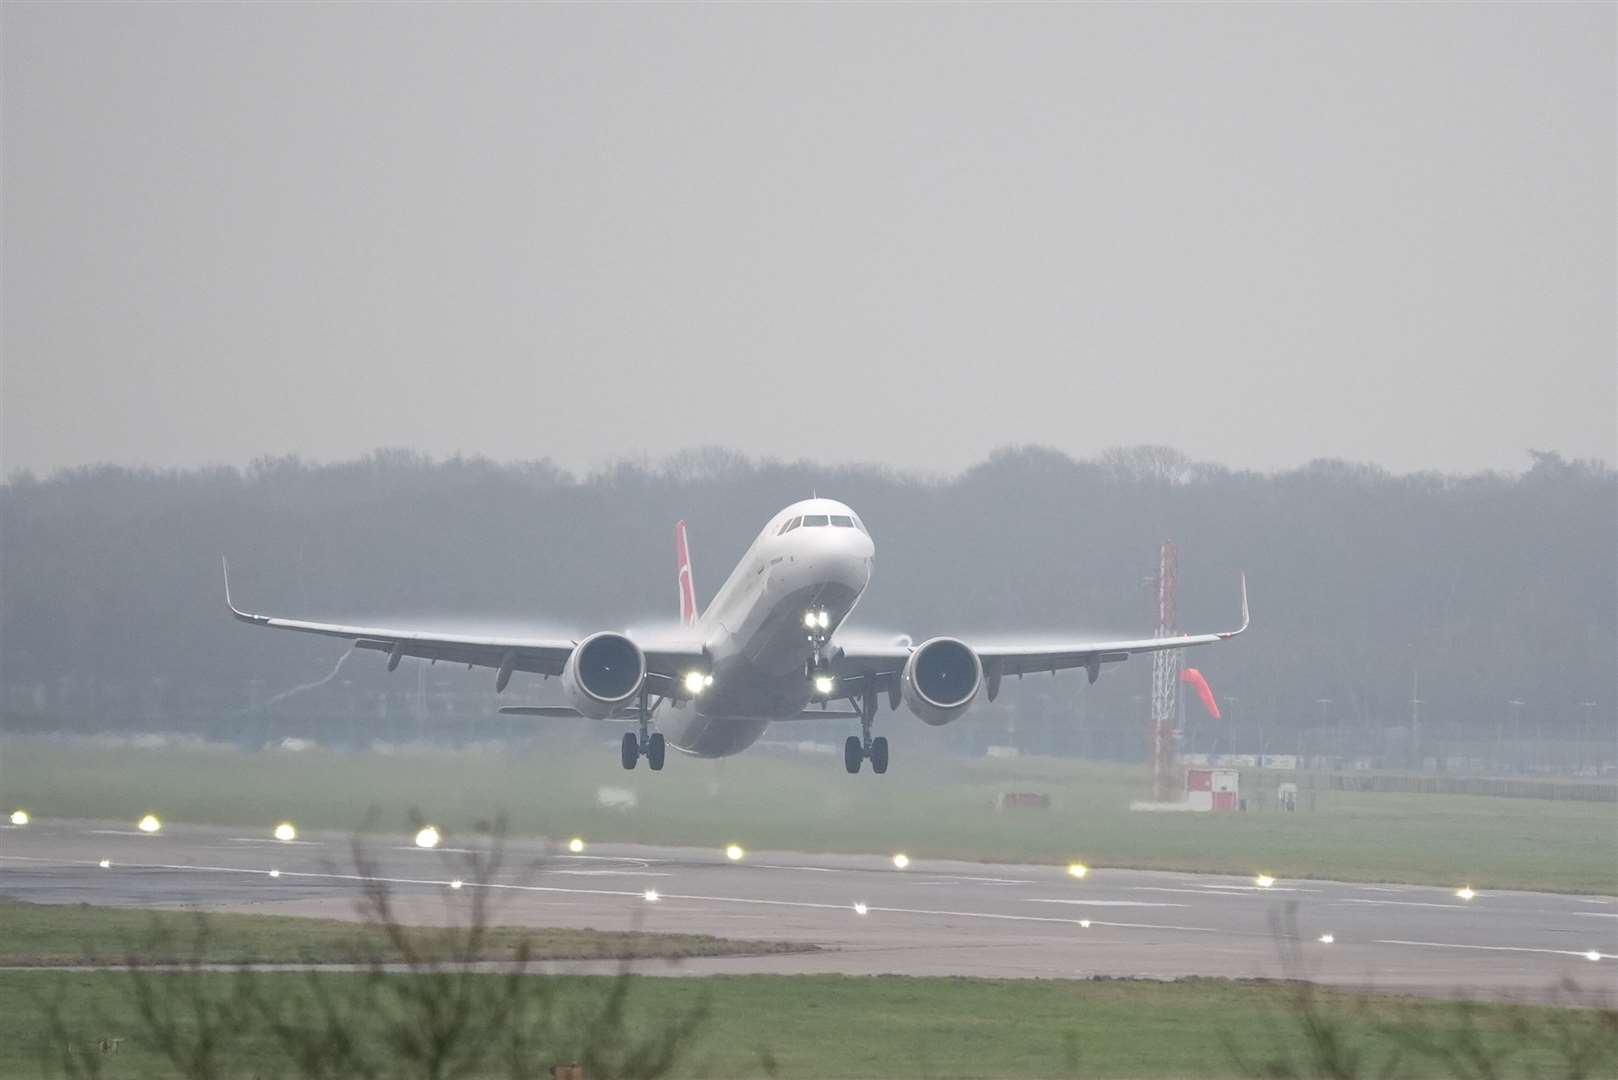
(940, 680)
(603, 673)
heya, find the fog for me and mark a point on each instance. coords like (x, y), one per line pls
(900, 234)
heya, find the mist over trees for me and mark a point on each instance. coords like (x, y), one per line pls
(1489, 589)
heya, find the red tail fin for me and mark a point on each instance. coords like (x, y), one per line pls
(688, 591)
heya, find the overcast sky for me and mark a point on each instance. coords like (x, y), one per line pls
(1262, 234)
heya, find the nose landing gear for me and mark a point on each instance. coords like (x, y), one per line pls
(861, 748)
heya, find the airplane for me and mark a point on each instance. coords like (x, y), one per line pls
(766, 649)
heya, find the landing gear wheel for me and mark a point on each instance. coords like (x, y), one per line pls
(853, 753)
(631, 750)
(879, 754)
(655, 749)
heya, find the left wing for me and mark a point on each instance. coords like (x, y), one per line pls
(542, 656)
(879, 667)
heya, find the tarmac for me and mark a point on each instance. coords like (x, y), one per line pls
(867, 915)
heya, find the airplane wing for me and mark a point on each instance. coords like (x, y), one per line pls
(881, 665)
(542, 656)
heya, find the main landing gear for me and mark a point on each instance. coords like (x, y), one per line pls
(646, 743)
(860, 748)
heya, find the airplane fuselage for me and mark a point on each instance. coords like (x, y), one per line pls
(754, 630)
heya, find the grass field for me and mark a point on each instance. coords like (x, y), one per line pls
(41, 934)
(834, 1026)
(927, 806)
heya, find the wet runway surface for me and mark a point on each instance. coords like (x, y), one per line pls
(868, 916)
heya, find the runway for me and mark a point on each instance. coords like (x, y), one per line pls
(867, 916)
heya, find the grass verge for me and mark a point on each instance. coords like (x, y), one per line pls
(928, 806)
(835, 1026)
(55, 934)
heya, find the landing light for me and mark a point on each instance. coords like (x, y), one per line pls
(286, 832)
(275, 873)
(1327, 939)
(19, 817)
(809, 620)
(149, 824)
(1264, 881)
(1077, 870)
(860, 908)
(824, 684)
(575, 845)
(105, 864)
(824, 619)
(901, 860)
(428, 837)
(456, 884)
(1592, 955)
(651, 896)
(1465, 892)
(695, 681)
(734, 853)
(1084, 924)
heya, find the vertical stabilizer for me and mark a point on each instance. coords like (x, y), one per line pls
(688, 591)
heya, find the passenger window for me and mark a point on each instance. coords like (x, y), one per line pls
(842, 521)
(812, 520)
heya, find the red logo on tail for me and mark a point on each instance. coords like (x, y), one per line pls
(688, 591)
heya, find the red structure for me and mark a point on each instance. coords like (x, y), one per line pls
(1166, 667)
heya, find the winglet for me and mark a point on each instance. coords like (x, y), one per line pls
(224, 564)
(1245, 617)
(688, 590)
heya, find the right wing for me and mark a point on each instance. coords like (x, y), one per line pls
(542, 656)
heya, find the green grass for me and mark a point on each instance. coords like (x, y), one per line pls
(41, 934)
(928, 805)
(835, 1026)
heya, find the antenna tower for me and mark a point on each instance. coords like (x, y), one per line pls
(1166, 667)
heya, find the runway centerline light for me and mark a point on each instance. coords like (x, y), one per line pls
(576, 845)
(286, 832)
(824, 684)
(1077, 870)
(1264, 881)
(651, 896)
(1327, 939)
(19, 817)
(105, 864)
(428, 837)
(734, 853)
(860, 908)
(901, 860)
(149, 824)
(1465, 892)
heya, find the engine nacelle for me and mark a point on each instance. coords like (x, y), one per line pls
(940, 680)
(603, 673)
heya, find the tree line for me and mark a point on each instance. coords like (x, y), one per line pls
(1369, 588)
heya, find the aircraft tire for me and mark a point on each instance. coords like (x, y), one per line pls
(853, 754)
(879, 754)
(631, 749)
(655, 749)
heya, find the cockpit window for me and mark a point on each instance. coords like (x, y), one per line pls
(811, 520)
(860, 525)
(789, 526)
(842, 521)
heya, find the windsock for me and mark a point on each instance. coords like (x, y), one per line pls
(1194, 677)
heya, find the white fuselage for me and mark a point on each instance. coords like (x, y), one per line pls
(754, 633)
